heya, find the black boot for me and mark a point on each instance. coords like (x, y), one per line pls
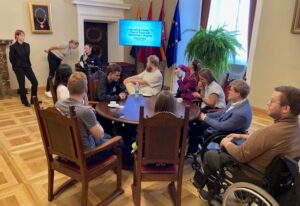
(25, 102)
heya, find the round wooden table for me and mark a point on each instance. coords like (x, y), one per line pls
(129, 111)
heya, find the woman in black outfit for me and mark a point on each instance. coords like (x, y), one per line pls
(19, 53)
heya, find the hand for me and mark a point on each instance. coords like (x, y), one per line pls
(122, 95)
(196, 94)
(225, 142)
(233, 136)
(84, 57)
(200, 85)
(176, 72)
(202, 116)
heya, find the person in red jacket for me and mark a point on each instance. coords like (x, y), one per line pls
(188, 84)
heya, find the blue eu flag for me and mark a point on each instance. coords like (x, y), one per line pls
(174, 38)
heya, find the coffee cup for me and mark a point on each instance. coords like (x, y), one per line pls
(179, 99)
(113, 103)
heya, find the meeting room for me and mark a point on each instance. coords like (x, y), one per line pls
(149, 102)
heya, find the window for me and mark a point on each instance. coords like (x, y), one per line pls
(234, 15)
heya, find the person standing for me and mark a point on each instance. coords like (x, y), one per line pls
(56, 54)
(19, 56)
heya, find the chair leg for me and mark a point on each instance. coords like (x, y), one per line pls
(84, 193)
(50, 184)
(138, 192)
(178, 192)
(119, 173)
(172, 192)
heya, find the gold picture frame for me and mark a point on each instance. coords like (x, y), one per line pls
(296, 19)
(40, 17)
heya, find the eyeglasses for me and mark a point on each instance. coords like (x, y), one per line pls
(271, 101)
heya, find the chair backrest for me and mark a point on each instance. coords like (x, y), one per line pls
(93, 81)
(53, 92)
(162, 138)
(60, 134)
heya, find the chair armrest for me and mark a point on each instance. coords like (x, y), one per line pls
(109, 144)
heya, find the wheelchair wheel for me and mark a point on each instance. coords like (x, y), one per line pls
(244, 193)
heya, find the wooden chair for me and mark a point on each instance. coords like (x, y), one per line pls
(53, 92)
(160, 154)
(93, 81)
(63, 148)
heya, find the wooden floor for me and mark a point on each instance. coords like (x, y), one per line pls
(23, 168)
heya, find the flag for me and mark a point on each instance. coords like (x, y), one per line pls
(134, 49)
(144, 52)
(174, 38)
(162, 49)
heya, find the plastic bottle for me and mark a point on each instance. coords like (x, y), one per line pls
(136, 89)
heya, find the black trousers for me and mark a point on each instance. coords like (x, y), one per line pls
(54, 63)
(20, 74)
(197, 128)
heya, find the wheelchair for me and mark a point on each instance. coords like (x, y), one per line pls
(210, 142)
(280, 185)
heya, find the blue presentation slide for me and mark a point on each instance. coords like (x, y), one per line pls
(140, 33)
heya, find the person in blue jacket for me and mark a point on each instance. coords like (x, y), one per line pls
(236, 116)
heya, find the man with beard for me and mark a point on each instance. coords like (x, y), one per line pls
(149, 81)
(263, 145)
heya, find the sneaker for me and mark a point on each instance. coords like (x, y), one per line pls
(48, 94)
(204, 195)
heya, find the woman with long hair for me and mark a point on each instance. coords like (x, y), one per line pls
(61, 81)
(188, 84)
(210, 92)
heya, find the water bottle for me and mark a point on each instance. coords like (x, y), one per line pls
(136, 89)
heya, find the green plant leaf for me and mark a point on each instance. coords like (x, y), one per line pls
(213, 47)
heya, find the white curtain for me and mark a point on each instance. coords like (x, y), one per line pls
(234, 15)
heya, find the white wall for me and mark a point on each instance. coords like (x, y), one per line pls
(14, 14)
(276, 56)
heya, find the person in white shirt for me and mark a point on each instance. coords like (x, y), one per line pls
(210, 92)
(61, 80)
(150, 80)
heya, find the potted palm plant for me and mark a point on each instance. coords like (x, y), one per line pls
(213, 48)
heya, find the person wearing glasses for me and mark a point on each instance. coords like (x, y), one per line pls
(235, 116)
(260, 147)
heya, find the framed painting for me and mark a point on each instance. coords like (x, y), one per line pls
(40, 17)
(296, 19)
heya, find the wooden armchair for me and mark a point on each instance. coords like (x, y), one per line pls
(93, 81)
(63, 149)
(53, 92)
(160, 154)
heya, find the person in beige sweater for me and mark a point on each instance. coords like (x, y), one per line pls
(262, 146)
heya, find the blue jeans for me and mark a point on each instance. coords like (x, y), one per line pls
(101, 155)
